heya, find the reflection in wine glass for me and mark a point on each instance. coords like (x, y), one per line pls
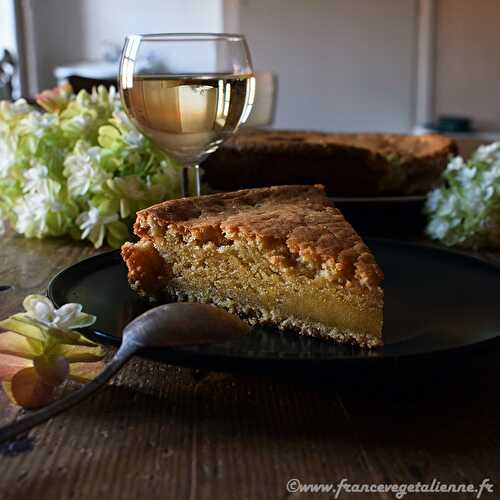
(198, 92)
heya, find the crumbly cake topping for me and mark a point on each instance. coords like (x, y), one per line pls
(387, 145)
(298, 218)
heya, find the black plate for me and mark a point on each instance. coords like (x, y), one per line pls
(384, 216)
(436, 303)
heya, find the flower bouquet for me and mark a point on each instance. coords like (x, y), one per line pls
(79, 168)
(465, 211)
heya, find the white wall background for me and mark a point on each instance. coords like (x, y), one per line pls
(57, 34)
(342, 65)
(69, 31)
(468, 60)
(118, 18)
(7, 26)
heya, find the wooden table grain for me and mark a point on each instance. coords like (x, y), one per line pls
(161, 432)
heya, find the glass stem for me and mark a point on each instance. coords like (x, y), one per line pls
(190, 181)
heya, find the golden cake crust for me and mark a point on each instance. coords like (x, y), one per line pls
(405, 146)
(298, 218)
(147, 270)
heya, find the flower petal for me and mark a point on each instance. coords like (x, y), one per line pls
(7, 388)
(66, 312)
(85, 372)
(21, 325)
(79, 354)
(17, 345)
(65, 336)
(32, 302)
(39, 308)
(10, 365)
(82, 320)
(71, 316)
(29, 391)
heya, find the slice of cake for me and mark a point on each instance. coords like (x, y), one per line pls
(282, 255)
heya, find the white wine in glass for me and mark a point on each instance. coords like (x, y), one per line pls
(188, 114)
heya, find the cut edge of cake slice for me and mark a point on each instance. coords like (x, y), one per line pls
(282, 255)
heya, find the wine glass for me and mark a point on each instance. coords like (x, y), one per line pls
(187, 92)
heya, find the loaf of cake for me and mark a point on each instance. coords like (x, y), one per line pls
(364, 164)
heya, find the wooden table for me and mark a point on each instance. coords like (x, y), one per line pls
(165, 432)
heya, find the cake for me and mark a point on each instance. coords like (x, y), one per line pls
(281, 255)
(365, 164)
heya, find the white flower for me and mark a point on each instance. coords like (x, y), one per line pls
(93, 225)
(68, 316)
(487, 152)
(491, 176)
(7, 155)
(466, 174)
(36, 123)
(434, 199)
(455, 164)
(474, 198)
(79, 172)
(33, 208)
(14, 109)
(122, 121)
(83, 171)
(133, 138)
(448, 205)
(34, 177)
(438, 228)
(21, 106)
(80, 121)
(31, 214)
(105, 98)
(489, 191)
